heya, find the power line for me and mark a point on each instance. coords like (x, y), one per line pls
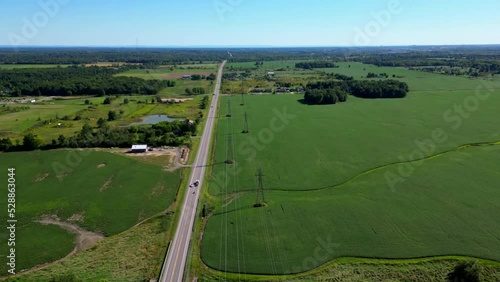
(245, 128)
(260, 202)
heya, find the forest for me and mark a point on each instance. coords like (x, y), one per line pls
(76, 80)
(331, 92)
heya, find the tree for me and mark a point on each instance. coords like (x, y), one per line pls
(86, 131)
(61, 141)
(87, 102)
(126, 101)
(107, 101)
(101, 92)
(465, 271)
(32, 142)
(112, 115)
(5, 144)
(101, 123)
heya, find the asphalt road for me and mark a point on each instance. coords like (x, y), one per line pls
(173, 268)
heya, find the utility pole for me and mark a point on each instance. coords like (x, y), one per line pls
(245, 128)
(260, 202)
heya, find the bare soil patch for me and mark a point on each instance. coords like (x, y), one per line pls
(84, 239)
(101, 165)
(77, 217)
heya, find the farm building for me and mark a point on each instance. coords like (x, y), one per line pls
(139, 148)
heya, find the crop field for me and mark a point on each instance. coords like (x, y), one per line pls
(402, 178)
(99, 191)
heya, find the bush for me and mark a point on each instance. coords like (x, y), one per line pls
(465, 271)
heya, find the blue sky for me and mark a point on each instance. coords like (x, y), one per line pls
(249, 22)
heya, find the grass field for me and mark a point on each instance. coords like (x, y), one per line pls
(134, 255)
(110, 192)
(15, 124)
(326, 174)
(171, 72)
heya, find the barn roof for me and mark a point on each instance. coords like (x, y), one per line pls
(139, 147)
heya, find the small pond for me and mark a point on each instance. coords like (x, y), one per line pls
(155, 119)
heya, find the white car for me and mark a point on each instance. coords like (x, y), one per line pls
(190, 185)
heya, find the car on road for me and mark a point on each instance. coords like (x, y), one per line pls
(191, 186)
(196, 183)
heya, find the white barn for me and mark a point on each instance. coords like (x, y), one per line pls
(139, 148)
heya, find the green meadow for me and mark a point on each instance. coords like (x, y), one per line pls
(175, 73)
(16, 124)
(396, 179)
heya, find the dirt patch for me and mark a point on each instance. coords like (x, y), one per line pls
(84, 239)
(180, 75)
(106, 184)
(175, 100)
(41, 176)
(77, 217)
(159, 156)
(101, 165)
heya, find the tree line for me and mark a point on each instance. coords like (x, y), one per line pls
(91, 55)
(195, 91)
(315, 65)
(75, 80)
(332, 92)
(162, 134)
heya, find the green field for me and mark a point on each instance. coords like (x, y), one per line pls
(179, 91)
(175, 72)
(134, 255)
(417, 80)
(326, 175)
(16, 124)
(111, 193)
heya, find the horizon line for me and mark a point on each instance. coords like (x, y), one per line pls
(247, 46)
